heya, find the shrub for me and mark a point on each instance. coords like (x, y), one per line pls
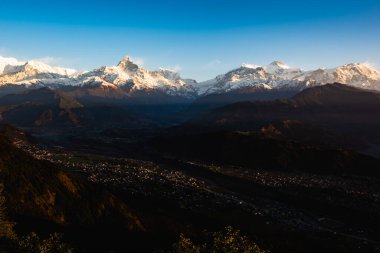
(228, 240)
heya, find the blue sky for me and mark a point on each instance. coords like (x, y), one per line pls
(199, 38)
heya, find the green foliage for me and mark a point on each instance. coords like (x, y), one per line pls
(227, 241)
(53, 244)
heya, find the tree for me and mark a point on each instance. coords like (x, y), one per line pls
(185, 245)
(53, 244)
(6, 226)
(10, 242)
(231, 241)
(228, 240)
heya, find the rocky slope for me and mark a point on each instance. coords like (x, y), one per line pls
(336, 109)
(39, 190)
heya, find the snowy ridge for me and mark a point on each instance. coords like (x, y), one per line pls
(129, 77)
(278, 75)
(271, 76)
(355, 74)
(4, 62)
(126, 75)
(37, 68)
(32, 72)
(168, 73)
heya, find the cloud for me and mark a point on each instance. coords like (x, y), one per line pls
(176, 68)
(47, 59)
(50, 60)
(137, 60)
(214, 64)
(370, 64)
(59, 61)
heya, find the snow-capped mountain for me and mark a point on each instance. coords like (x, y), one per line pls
(5, 61)
(129, 77)
(279, 75)
(168, 73)
(175, 76)
(269, 77)
(355, 74)
(32, 72)
(126, 75)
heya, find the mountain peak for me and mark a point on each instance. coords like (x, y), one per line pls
(33, 67)
(127, 64)
(170, 74)
(8, 61)
(364, 65)
(126, 59)
(279, 64)
(249, 66)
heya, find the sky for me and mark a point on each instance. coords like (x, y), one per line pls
(200, 39)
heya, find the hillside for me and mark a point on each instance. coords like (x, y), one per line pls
(41, 197)
(321, 129)
(45, 108)
(334, 107)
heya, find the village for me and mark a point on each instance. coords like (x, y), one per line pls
(145, 179)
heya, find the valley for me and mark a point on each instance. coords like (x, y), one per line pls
(263, 203)
(126, 159)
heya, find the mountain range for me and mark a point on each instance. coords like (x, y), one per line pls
(127, 78)
(34, 94)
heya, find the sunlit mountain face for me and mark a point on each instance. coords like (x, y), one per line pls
(229, 126)
(130, 77)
